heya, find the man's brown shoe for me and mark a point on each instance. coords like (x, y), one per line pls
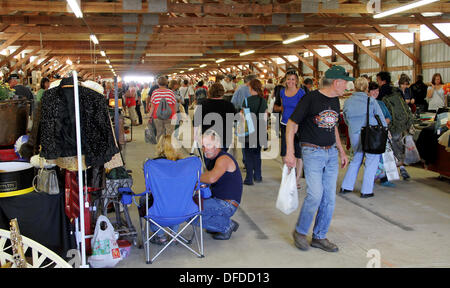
(324, 244)
(300, 241)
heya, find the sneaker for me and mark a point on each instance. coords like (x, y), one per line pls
(404, 173)
(227, 235)
(324, 244)
(345, 191)
(248, 183)
(367, 195)
(300, 241)
(159, 240)
(387, 184)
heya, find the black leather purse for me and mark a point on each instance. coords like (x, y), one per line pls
(374, 138)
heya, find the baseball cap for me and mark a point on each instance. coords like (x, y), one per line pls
(338, 72)
(12, 76)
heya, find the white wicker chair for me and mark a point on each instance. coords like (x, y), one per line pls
(42, 257)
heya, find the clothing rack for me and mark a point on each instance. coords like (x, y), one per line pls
(79, 225)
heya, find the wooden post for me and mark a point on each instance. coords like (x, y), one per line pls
(417, 53)
(356, 60)
(316, 67)
(383, 54)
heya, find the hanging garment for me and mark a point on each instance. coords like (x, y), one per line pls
(58, 133)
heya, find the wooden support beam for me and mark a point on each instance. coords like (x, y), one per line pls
(10, 40)
(257, 68)
(318, 56)
(38, 67)
(32, 64)
(316, 67)
(342, 55)
(274, 63)
(288, 62)
(46, 67)
(417, 53)
(364, 48)
(433, 28)
(396, 43)
(8, 58)
(383, 54)
(307, 63)
(20, 62)
(356, 70)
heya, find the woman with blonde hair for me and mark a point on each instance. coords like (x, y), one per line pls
(165, 149)
(355, 111)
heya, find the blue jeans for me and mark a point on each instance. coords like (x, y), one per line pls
(217, 215)
(252, 164)
(370, 169)
(321, 167)
(155, 228)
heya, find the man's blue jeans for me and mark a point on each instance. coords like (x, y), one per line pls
(217, 215)
(321, 167)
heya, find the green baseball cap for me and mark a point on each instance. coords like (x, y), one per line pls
(338, 72)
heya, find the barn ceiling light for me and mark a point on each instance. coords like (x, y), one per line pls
(94, 39)
(107, 61)
(172, 54)
(75, 8)
(220, 60)
(404, 8)
(190, 69)
(247, 53)
(103, 53)
(288, 41)
(203, 65)
(69, 62)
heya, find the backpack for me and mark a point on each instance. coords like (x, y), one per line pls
(402, 117)
(164, 111)
(200, 95)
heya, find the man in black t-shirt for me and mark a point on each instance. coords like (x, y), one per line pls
(316, 117)
(212, 114)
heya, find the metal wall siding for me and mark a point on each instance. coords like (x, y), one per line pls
(397, 58)
(435, 52)
(366, 62)
(428, 74)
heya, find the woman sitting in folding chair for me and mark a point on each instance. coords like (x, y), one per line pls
(165, 150)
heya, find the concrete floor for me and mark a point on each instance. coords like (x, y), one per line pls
(409, 226)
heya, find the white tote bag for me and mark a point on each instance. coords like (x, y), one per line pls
(390, 164)
(287, 201)
(105, 250)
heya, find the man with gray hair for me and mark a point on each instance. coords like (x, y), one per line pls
(242, 92)
(316, 117)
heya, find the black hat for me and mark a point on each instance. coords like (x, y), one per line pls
(12, 76)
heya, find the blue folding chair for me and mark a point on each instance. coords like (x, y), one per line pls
(173, 185)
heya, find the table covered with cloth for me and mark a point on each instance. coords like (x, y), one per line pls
(41, 217)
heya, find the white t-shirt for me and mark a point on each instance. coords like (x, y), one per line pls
(185, 92)
(227, 86)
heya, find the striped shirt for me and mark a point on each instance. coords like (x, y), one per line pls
(160, 93)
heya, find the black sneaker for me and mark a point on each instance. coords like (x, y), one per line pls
(345, 191)
(404, 173)
(367, 195)
(324, 244)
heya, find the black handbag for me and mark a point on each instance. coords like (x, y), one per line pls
(374, 138)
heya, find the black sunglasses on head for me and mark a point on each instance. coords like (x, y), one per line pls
(291, 72)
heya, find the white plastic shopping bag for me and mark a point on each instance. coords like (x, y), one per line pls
(105, 250)
(390, 164)
(411, 154)
(287, 201)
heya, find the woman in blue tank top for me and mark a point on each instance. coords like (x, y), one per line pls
(289, 98)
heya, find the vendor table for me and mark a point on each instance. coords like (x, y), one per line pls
(41, 218)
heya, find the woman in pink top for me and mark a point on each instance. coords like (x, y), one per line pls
(163, 127)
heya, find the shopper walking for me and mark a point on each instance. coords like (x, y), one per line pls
(317, 116)
(286, 104)
(252, 148)
(355, 116)
(163, 126)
